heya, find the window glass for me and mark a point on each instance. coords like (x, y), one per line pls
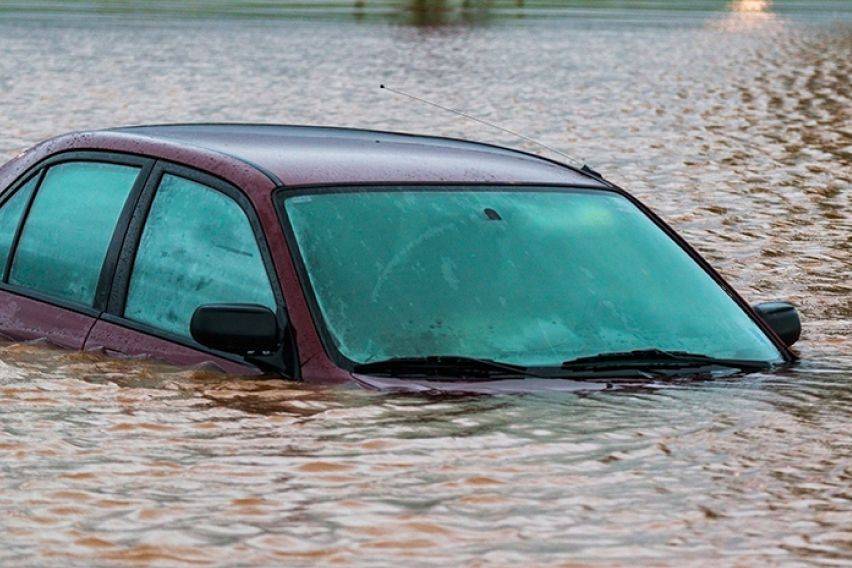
(527, 276)
(197, 248)
(69, 228)
(10, 216)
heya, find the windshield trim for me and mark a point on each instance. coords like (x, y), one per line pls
(281, 194)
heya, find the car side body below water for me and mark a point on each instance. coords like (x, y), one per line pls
(332, 255)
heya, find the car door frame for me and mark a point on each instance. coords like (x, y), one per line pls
(126, 257)
(105, 277)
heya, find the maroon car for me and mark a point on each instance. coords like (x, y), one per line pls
(331, 255)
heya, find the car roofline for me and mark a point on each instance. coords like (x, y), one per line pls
(523, 153)
(276, 181)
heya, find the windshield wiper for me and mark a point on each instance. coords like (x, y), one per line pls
(445, 365)
(457, 366)
(656, 358)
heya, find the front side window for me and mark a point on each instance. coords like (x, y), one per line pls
(532, 276)
(69, 228)
(197, 248)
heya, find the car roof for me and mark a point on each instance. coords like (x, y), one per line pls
(292, 155)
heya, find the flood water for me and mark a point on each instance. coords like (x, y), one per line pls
(732, 120)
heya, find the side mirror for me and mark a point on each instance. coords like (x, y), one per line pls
(783, 318)
(236, 328)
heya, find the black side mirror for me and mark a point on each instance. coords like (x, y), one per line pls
(236, 328)
(783, 318)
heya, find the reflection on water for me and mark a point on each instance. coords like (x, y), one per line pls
(749, 15)
(751, 6)
(730, 119)
(442, 12)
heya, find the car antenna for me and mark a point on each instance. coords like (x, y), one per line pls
(577, 162)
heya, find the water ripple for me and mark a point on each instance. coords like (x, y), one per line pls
(732, 124)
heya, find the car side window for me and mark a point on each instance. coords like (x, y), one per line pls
(197, 248)
(10, 217)
(69, 228)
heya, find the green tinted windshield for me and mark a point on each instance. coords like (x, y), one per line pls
(533, 277)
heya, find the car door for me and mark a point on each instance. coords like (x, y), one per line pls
(60, 229)
(193, 240)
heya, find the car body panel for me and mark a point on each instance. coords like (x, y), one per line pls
(451, 386)
(305, 155)
(233, 170)
(120, 341)
(26, 319)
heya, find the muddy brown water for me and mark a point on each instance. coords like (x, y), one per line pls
(732, 120)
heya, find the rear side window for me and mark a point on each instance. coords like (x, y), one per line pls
(197, 248)
(69, 228)
(10, 217)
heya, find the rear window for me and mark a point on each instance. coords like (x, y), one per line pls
(10, 217)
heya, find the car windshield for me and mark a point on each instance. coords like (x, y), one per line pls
(529, 276)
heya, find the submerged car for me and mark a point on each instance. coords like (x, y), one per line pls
(330, 255)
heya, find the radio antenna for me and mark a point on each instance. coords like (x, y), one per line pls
(578, 162)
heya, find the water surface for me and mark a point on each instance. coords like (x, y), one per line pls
(730, 120)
